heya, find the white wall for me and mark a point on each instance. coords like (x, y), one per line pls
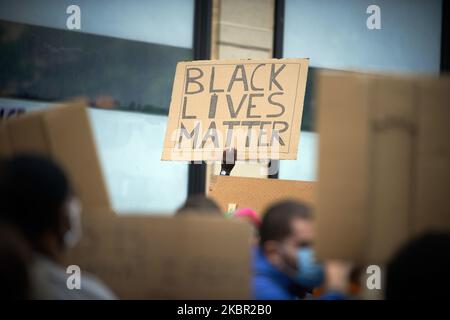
(333, 34)
(305, 167)
(130, 146)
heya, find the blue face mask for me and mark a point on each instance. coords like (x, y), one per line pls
(310, 273)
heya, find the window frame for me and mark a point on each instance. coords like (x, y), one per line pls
(445, 39)
(202, 51)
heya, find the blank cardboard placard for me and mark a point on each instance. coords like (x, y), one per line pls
(258, 193)
(254, 106)
(142, 257)
(384, 166)
(63, 133)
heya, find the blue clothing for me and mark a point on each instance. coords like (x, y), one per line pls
(331, 295)
(271, 284)
(268, 282)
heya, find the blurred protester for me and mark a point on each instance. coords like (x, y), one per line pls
(198, 204)
(15, 259)
(248, 215)
(341, 278)
(420, 269)
(251, 217)
(35, 197)
(284, 264)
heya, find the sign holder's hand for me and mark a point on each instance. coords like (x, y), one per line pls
(228, 161)
(337, 275)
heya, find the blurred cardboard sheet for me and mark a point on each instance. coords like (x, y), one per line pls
(63, 133)
(151, 257)
(384, 167)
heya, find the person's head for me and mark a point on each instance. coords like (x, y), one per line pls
(252, 218)
(198, 204)
(36, 198)
(420, 269)
(15, 258)
(286, 228)
(248, 215)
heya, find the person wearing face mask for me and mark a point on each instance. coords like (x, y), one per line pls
(284, 265)
(36, 198)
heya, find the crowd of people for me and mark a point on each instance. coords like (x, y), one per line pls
(40, 220)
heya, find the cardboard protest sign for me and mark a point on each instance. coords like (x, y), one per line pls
(160, 257)
(63, 133)
(384, 167)
(258, 194)
(254, 106)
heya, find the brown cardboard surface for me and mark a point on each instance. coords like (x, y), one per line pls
(432, 188)
(64, 133)
(143, 257)
(262, 98)
(384, 163)
(258, 193)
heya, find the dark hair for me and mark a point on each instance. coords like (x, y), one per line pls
(420, 269)
(199, 204)
(32, 192)
(15, 259)
(276, 222)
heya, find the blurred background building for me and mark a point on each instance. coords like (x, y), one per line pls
(123, 59)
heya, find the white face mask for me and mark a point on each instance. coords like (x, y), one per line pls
(73, 235)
